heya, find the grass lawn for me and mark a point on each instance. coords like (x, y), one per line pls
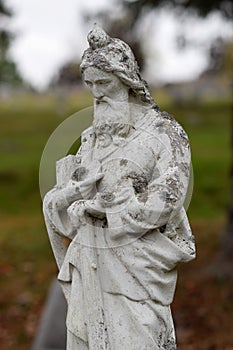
(26, 261)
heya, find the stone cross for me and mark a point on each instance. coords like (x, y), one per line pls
(120, 202)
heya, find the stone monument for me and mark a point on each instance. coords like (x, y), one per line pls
(120, 202)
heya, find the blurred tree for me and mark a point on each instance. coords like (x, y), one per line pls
(203, 8)
(8, 69)
(228, 242)
(227, 73)
(228, 60)
(69, 74)
(220, 58)
(123, 23)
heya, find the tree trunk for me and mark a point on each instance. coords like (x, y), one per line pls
(228, 239)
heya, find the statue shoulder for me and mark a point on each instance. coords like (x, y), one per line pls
(167, 133)
(165, 123)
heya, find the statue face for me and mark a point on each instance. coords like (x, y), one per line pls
(104, 84)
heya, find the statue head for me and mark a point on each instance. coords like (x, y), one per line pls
(113, 55)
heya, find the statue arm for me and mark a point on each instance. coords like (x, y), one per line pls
(55, 205)
(72, 185)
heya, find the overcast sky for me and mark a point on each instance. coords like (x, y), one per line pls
(50, 32)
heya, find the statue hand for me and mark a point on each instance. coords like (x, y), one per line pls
(74, 190)
(109, 200)
(71, 191)
(87, 187)
(76, 213)
(77, 210)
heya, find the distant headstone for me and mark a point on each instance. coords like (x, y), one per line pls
(51, 334)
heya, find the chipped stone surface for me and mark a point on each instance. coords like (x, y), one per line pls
(120, 202)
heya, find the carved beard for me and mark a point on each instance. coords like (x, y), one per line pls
(111, 121)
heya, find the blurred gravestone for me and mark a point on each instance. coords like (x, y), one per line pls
(51, 334)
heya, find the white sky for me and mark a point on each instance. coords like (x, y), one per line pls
(49, 32)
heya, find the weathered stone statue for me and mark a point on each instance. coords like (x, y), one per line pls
(120, 202)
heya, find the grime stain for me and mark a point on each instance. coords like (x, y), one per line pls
(79, 174)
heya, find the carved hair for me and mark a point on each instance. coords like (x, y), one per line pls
(115, 56)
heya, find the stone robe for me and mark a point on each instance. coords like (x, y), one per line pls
(119, 272)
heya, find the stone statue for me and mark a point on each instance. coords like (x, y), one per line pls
(120, 201)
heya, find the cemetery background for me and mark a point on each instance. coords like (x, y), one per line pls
(203, 307)
(203, 303)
